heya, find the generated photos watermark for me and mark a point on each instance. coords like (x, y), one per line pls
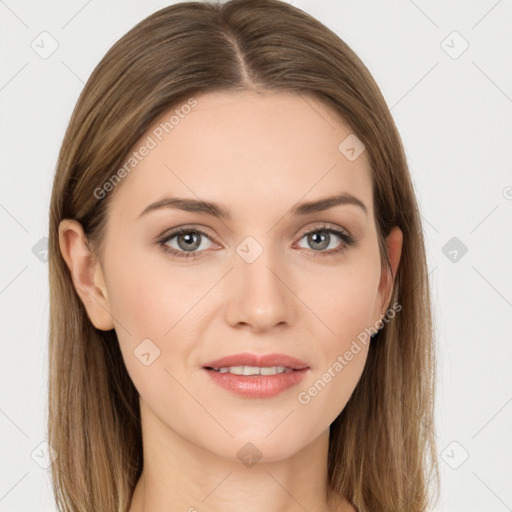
(304, 397)
(151, 142)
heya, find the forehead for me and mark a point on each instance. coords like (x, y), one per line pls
(247, 150)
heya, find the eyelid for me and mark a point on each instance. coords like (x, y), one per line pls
(327, 226)
(169, 234)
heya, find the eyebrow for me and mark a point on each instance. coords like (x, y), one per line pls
(219, 211)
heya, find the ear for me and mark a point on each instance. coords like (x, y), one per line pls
(86, 272)
(394, 243)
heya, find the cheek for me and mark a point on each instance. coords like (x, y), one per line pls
(348, 299)
(150, 298)
(150, 306)
(347, 312)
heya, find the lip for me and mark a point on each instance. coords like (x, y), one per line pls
(247, 359)
(257, 386)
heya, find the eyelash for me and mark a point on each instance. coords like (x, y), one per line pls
(347, 239)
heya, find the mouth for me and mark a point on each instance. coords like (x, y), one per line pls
(253, 370)
(256, 376)
(248, 360)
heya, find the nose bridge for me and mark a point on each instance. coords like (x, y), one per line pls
(259, 296)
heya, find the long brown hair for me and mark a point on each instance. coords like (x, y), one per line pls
(382, 454)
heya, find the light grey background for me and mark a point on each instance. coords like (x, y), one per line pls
(453, 109)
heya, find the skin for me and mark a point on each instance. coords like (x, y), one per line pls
(258, 155)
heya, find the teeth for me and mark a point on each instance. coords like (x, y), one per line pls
(253, 370)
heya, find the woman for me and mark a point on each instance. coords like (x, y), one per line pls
(240, 311)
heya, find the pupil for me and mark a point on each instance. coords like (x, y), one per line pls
(189, 240)
(323, 238)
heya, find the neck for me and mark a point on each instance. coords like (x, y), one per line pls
(179, 475)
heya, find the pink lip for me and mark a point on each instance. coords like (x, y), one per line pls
(257, 386)
(247, 359)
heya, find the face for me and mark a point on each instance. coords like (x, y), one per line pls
(264, 279)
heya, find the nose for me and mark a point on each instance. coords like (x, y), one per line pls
(258, 294)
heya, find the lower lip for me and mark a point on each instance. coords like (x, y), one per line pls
(257, 386)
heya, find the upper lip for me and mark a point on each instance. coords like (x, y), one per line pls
(258, 360)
